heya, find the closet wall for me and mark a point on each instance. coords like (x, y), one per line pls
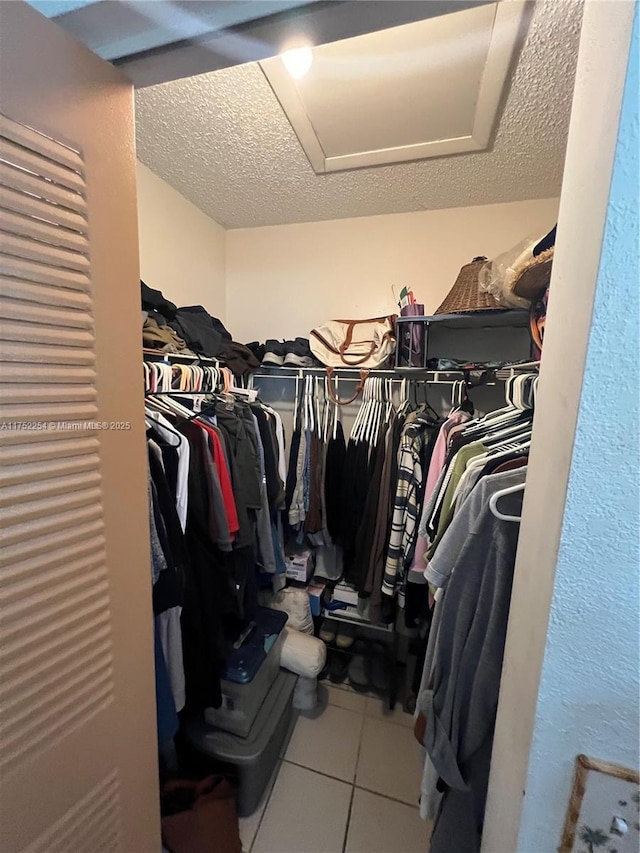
(182, 251)
(303, 274)
(588, 697)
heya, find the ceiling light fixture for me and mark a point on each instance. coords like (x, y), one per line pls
(297, 61)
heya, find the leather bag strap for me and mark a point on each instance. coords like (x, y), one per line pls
(334, 398)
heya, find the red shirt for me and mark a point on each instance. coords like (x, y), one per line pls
(225, 480)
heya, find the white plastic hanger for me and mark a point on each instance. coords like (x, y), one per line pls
(495, 497)
(355, 430)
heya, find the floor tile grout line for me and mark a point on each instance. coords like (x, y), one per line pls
(387, 797)
(266, 805)
(319, 772)
(353, 785)
(348, 824)
(355, 772)
(366, 697)
(381, 718)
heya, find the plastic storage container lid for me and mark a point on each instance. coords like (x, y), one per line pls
(243, 663)
(245, 750)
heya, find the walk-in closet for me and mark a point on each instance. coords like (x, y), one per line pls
(356, 585)
(292, 526)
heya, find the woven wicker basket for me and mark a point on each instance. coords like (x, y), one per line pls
(466, 295)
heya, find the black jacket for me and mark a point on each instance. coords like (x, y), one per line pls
(202, 332)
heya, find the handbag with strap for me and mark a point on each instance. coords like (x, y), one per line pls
(354, 343)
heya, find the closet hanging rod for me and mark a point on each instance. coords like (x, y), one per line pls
(323, 370)
(509, 370)
(175, 392)
(168, 356)
(412, 374)
(436, 380)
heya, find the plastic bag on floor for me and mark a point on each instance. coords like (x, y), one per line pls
(305, 695)
(295, 603)
(302, 654)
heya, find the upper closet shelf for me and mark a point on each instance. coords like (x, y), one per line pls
(479, 320)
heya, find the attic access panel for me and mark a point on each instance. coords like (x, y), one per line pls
(413, 92)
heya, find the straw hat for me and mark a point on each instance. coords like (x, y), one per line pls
(466, 295)
(533, 278)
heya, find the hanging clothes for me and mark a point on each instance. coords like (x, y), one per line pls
(468, 556)
(333, 483)
(416, 445)
(215, 489)
(384, 515)
(473, 569)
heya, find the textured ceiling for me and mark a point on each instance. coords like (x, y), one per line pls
(223, 141)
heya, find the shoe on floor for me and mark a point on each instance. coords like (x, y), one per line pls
(409, 706)
(298, 353)
(328, 631)
(273, 354)
(359, 668)
(326, 669)
(338, 668)
(345, 637)
(380, 669)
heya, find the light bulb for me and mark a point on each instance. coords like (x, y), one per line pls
(297, 61)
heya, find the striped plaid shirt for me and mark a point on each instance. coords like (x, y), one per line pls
(406, 508)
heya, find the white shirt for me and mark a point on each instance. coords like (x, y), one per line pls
(175, 439)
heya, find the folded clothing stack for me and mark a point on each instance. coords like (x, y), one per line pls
(191, 329)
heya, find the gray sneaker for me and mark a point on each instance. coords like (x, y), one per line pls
(298, 353)
(274, 354)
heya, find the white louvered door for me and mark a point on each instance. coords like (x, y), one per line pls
(77, 719)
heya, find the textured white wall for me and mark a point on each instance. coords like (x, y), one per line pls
(283, 280)
(182, 250)
(588, 699)
(591, 146)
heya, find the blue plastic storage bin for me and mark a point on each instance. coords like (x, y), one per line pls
(249, 673)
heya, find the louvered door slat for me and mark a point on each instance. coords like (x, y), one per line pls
(41, 211)
(52, 373)
(42, 354)
(39, 143)
(55, 615)
(49, 413)
(34, 250)
(34, 272)
(31, 571)
(30, 312)
(58, 573)
(23, 532)
(49, 635)
(34, 162)
(12, 330)
(94, 817)
(43, 294)
(80, 635)
(58, 485)
(32, 547)
(19, 454)
(35, 229)
(20, 513)
(40, 187)
(48, 394)
(29, 473)
(73, 707)
(55, 673)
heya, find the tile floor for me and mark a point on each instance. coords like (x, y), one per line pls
(348, 782)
